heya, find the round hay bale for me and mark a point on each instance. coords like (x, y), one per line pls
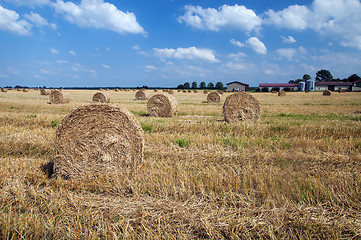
(25, 90)
(326, 93)
(184, 91)
(341, 91)
(140, 95)
(165, 90)
(3, 90)
(195, 91)
(45, 91)
(19, 90)
(213, 97)
(59, 97)
(155, 90)
(97, 139)
(242, 107)
(101, 97)
(281, 93)
(189, 91)
(116, 90)
(205, 92)
(274, 91)
(307, 91)
(179, 90)
(220, 92)
(170, 91)
(162, 105)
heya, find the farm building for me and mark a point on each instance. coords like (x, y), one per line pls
(268, 87)
(333, 86)
(237, 87)
(356, 86)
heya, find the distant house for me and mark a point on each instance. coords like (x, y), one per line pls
(356, 86)
(268, 87)
(333, 86)
(237, 87)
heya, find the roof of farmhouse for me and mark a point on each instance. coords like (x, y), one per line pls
(238, 83)
(333, 83)
(278, 84)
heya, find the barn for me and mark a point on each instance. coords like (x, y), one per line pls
(333, 86)
(237, 87)
(268, 87)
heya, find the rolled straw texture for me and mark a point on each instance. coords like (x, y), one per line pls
(98, 139)
(101, 97)
(140, 95)
(162, 105)
(59, 97)
(242, 107)
(213, 97)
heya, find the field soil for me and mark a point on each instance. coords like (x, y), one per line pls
(294, 174)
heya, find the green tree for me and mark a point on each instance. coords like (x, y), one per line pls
(180, 86)
(210, 85)
(202, 85)
(194, 85)
(353, 78)
(324, 76)
(186, 85)
(219, 85)
(306, 77)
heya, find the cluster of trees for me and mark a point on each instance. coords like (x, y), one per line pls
(202, 85)
(326, 76)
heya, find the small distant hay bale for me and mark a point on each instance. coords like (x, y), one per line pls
(242, 107)
(341, 90)
(220, 92)
(25, 90)
(107, 89)
(101, 89)
(205, 92)
(281, 93)
(213, 97)
(3, 90)
(140, 95)
(195, 91)
(326, 93)
(307, 91)
(19, 90)
(59, 97)
(179, 90)
(45, 91)
(165, 90)
(170, 91)
(97, 139)
(101, 97)
(189, 91)
(274, 91)
(116, 90)
(155, 90)
(162, 105)
(184, 91)
(132, 90)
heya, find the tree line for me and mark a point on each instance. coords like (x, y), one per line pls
(202, 85)
(326, 76)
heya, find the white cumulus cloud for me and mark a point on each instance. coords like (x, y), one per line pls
(53, 51)
(99, 14)
(187, 53)
(9, 21)
(237, 43)
(256, 45)
(36, 19)
(288, 40)
(236, 17)
(294, 17)
(106, 66)
(71, 52)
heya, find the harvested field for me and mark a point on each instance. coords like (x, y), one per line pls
(294, 174)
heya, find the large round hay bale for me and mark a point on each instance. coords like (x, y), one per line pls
(213, 97)
(98, 139)
(140, 95)
(281, 93)
(101, 97)
(162, 105)
(327, 93)
(242, 107)
(45, 91)
(59, 97)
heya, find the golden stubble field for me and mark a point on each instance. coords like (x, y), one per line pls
(295, 174)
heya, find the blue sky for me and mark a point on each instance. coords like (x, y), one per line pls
(163, 43)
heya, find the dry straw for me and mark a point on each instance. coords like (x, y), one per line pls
(170, 91)
(25, 90)
(162, 105)
(140, 95)
(327, 93)
(59, 97)
(98, 139)
(281, 93)
(101, 97)
(213, 97)
(45, 91)
(3, 90)
(242, 107)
